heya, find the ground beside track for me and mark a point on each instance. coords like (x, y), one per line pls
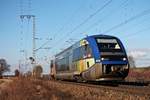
(31, 89)
(139, 74)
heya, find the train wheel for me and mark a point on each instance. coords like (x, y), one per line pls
(78, 78)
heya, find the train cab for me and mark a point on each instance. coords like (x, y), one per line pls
(111, 61)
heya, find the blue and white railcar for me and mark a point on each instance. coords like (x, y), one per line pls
(94, 58)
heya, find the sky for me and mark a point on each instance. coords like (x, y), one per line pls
(63, 22)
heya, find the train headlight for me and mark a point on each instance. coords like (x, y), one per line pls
(102, 58)
(124, 59)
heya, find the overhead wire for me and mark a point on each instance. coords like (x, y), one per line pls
(86, 20)
(68, 21)
(141, 14)
(61, 28)
(136, 25)
(137, 33)
(130, 35)
(107, 16)
(90, 16)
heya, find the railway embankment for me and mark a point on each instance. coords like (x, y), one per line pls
(34, 89)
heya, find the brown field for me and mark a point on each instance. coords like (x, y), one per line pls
(33, 89)
(139, 74)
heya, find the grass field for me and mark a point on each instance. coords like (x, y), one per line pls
(139, 74)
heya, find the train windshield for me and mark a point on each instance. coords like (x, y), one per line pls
(108, 45)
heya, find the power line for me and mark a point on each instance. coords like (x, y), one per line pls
(145, 12)
(136, 33)
(86, 20)
(42, 45)
(90, 16)
(68, 21)
(110, 14)
(135, 26)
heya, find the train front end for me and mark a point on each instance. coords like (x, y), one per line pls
(111, 61)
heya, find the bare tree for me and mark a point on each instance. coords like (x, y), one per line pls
(37, 71)
(4, 67)
(17, 73)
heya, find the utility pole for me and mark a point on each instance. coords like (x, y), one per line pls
(22, 17)
(33, 41)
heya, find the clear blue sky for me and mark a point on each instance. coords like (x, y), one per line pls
(57, 19)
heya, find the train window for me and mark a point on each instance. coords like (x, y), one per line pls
(76, 54)
(82, 52)
(63, 64)
(86, 51)
(108, 45)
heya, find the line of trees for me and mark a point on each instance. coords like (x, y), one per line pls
(37, 72)
(4, 67)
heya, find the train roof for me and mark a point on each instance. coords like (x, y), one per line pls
(100, 35)
(103, 36)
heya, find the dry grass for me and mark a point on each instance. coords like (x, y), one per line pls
(29, 89)
(34, 89)
(139, 74)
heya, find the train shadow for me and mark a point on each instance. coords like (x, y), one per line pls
(104, 83)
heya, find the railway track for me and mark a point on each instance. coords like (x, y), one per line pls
(83, 91)
(127, 87)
